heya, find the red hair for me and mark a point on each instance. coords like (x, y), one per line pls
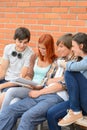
(48, 41)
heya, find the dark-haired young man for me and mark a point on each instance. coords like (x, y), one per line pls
(15, 59)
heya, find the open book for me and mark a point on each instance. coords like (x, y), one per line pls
(23, 81)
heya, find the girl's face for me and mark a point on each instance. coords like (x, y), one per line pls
(62, 50)
(21, 44)
(77, 49)
(42, 49)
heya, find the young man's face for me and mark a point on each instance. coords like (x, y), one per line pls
(62, 50)
(21, 44)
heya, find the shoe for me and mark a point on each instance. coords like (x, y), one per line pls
(70, 118)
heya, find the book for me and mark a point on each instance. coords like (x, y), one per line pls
(24, 82)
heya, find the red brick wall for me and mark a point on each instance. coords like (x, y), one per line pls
(41, 16)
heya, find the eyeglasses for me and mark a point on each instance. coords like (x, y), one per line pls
(14, 54)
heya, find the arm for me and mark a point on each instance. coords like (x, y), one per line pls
(47, 90)
(6, 85)
(54, 80)
(75, 65)
(27, 72)
(3, 68)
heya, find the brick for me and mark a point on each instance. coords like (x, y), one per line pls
(82, 16)
(60, 10)
(10, 25)
(44, 21)
(10, 15)
(10, 4)
(23, 4)
(68, 3)
(82, 3)
(4, 20)
(30, 21)
(30, 9)
(44, 10)
(45, 3)
(76, 23)
(51, 28)
(82, 29)
(68, 16)
(68, 29)
(78, 10)
(56, 17)
(59, 22)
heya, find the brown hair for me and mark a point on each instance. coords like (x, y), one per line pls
(48, 41)
(66, 40)
(81, 38)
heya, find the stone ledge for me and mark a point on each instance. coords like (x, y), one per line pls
(82, 122)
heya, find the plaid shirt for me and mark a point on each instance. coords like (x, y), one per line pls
(50, 74)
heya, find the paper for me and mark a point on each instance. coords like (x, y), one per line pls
(22, 81)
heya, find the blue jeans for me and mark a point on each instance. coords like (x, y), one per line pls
(77, 89)
(55, 113)
(12, 93)
(31, 110)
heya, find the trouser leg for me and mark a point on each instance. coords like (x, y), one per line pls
(37, 113)
(9, 116)
(77, 88)
(73, 90)
(15, 92)
(55, 113)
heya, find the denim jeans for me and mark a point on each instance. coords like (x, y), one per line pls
(55, 113)
(14, 92)
(77, 89)
(31, 110)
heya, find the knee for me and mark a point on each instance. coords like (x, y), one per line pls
(10, 92)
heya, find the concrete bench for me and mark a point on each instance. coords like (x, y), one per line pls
(80, 124)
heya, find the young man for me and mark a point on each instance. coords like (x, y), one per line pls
(15, 59)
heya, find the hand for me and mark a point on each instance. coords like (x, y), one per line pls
(62, 63)
(34, 93)
(50, 81)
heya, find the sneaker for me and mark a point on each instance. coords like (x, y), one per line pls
(70, 118)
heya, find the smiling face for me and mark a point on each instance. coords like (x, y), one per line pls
(62, 50)
(77, 49)
(42, 49)
(21, 44)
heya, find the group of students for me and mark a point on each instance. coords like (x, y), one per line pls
(62, 81)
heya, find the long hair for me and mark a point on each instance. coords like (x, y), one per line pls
(48, 41)
(81, 38)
